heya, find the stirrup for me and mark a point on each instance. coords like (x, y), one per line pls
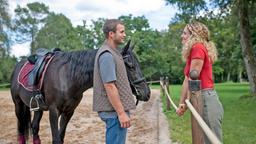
(37, 104)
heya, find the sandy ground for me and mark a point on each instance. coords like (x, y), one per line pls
(149, 125)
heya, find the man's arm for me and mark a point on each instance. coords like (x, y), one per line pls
(114, 99)
(108, 75)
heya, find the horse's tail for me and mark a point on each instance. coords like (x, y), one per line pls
(22, 111)
(24, 122)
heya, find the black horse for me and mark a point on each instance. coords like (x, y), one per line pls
(67, 77)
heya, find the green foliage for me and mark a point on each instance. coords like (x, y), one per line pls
(134, 24)
(4, 15)
(239, 119)
(6, 63)
(188, 6)
(189, 9)
(6, 67)
(92, 36)
(28, 20)
(58, 32)
(4, 25)
(157, 52)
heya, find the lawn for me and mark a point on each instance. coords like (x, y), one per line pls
(239, 115)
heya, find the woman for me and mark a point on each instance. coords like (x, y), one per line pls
(200, 53)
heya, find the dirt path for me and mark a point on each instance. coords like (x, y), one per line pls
(149, 125)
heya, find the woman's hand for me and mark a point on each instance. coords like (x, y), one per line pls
(181, 109)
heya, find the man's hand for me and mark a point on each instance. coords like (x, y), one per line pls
(124, 120)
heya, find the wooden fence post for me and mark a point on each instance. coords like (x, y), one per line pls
(197, 102)
(162, 88)
(168, 104)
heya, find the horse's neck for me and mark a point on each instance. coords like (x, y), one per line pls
(82, 66)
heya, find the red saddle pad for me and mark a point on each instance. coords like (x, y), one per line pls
(26, 69)
(23, 75)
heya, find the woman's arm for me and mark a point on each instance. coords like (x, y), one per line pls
(196, 64)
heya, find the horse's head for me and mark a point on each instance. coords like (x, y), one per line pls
(137, 81)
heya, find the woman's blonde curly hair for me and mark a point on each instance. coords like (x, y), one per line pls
(199, 33)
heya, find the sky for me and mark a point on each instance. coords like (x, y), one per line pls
(156, 11)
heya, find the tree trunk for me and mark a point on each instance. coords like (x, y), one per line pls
(228, 76)
(239, 76)
(245, 41)
(240, 72)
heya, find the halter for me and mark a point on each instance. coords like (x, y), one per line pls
(139, 80)
(135, 88)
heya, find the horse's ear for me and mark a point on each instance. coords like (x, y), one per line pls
(126, 47)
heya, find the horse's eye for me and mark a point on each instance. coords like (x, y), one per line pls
(127, 61)
(125, 57)
(129, 64)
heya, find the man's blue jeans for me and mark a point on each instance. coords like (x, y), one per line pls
(115, 134)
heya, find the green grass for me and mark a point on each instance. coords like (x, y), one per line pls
(239, 115)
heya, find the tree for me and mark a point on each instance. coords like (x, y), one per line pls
(134, 24)
(28, 21)
(6, 62)
(86, 35)
(6, 67)
(4, 25)
(92, 35)
(138, 30)
(58, 32)
(189, 9)
(225, 36)
(97, 32)
(246, 43)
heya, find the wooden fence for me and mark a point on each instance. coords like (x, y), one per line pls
(195, 105)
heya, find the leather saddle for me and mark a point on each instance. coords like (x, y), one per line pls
(39, 59)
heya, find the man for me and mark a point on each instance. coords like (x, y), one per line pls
(112, 95)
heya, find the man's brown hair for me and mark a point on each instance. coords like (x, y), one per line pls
(110, 25)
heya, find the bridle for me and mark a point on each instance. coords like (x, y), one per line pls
(134, 83)
(138, 81)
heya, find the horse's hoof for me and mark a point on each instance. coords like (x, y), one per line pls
(36, 140)
(21, 139)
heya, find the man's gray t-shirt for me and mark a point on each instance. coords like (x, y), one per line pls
(108, 74)
(107, 67)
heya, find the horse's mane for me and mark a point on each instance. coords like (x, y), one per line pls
(81, 63)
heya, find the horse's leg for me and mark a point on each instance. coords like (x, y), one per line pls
(65, 117)
(53, 117)
(35, 126)
(23, 115)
